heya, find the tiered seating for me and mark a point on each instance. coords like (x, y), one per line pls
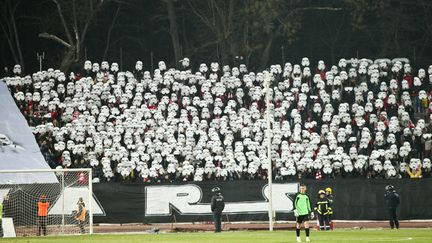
(357, 119)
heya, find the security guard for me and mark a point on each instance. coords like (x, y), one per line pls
(42, 214)
(329, 196)
(217, 206)
(4, 204)
(1, 216)
(81, 215)
(392, 201)
(322, 209)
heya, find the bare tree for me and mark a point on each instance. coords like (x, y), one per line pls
(113, 23)
(10, 30)
(173, 29)
(216, 19)
(75, 18)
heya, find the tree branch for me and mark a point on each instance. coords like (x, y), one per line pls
(15, 31)
(201, 16)
(54, 38)
(9, 41)
(319, 8)
(109, 32)
(10, 30)
(76, 32)
(65, 26)
(90, 18)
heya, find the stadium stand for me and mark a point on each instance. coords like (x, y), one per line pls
(359, 118)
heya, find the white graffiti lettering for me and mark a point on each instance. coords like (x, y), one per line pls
(186, 200)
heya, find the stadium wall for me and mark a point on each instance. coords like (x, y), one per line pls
(354, 199)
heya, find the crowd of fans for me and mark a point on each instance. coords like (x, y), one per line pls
(356, 119)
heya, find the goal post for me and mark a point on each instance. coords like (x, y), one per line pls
(53, 202)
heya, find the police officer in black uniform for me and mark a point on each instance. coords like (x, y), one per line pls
(392, 201)
(217, 206)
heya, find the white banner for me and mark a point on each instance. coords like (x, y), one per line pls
(186, 200)
(18, 147)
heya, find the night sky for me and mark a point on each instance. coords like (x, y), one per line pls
(141, 30)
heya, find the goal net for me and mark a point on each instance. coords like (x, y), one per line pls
(62, 205)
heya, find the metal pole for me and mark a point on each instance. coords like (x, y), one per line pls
(270, 167)
(63, 202)
(151, 61)
(414, 54)
(90, 196)
(121, 59)
(40, 57)
(283, 55)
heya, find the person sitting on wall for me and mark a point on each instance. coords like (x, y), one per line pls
(414, 169)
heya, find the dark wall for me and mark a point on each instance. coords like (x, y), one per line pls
(364, 199)
(356, 199)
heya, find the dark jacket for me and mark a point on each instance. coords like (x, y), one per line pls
(322, 206)
(217, 203)
(392, 199)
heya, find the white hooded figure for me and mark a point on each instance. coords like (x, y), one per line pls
(391, 173)
(185, 62)
(305, 62)
(162, 66)
(17, 70)
(327, 169)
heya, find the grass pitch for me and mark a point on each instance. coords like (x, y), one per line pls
(351, 236)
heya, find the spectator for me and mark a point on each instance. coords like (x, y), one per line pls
(180, 125)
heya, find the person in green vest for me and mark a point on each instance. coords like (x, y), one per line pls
(1, 217)
(302, 212)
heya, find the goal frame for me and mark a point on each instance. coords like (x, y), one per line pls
(90, 185)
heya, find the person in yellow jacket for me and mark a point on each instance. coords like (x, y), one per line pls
(416, 172)
(81, 215)
(322, 209)
(329, 196)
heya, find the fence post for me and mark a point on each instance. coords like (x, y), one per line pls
(90, 181)
(63, 202)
